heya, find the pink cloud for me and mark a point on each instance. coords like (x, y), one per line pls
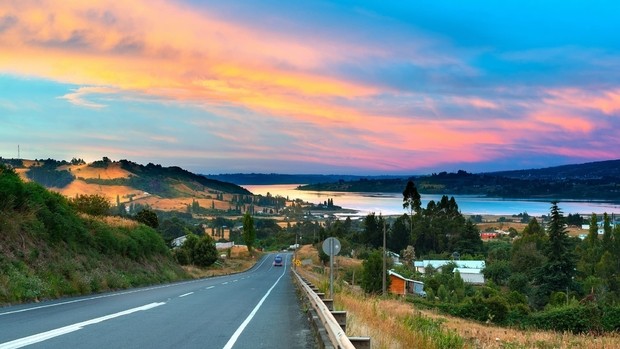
(608, 102)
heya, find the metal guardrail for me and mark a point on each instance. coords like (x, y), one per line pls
(335, 332)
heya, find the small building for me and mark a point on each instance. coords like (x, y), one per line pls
(472, 276)
(401, 285)
(178, 242)
(471, 271)
(488, 235)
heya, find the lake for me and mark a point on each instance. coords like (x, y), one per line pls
(392, 203)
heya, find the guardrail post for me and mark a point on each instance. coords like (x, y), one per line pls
(329, 303)
(341, 317)
(361, 342)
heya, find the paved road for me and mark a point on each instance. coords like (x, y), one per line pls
(255, 309)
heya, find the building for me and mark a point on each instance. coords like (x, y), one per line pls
(400, 285)
(471, 271)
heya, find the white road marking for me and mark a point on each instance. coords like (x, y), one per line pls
(98, 297)
(43, 336)
(210, 287)
(245, 323)
(225, 283)
(185, 295)
(235, 280)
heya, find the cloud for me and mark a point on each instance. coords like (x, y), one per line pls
(78, 96)
(370, 90)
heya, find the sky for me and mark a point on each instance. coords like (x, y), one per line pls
(332, 87)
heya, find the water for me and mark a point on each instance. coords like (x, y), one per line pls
(392, 203)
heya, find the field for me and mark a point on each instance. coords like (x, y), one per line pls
(394, 323)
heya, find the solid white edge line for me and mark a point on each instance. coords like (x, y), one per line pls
(43, 336)
(245, 323)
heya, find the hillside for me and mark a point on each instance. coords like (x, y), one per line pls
(49, 250)
(126, 182)
(590, 181)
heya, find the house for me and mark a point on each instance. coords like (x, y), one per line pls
(488, 235)
(472, 276)
(178, 242)
(395, 257)
(471, 271)
(400, 285)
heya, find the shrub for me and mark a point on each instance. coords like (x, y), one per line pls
(571, 318)
(611, 319)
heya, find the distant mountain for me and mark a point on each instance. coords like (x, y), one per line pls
(590, 170)
(589, 181)
(277, 178)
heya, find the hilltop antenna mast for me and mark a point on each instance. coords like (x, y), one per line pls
(18, 155)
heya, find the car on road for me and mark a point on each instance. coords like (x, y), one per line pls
(277, 261)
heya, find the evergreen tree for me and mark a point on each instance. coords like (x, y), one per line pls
(607, 232)
(469, 241)
(412, 202)
(249, 232)
(557, 272)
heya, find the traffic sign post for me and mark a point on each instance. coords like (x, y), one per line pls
(331, 247)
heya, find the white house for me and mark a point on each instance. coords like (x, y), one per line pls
(471, 271)
(471, 275)
(178, 242)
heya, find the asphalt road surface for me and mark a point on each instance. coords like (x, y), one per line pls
(254, 309)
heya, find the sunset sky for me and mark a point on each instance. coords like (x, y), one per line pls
(342, 87)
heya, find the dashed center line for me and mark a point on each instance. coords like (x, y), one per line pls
(184, 295)
(235, 280)
(210, 287)
(225, 283)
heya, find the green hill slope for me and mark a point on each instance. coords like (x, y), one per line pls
(48, 250)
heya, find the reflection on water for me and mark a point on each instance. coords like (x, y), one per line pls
(392, 203)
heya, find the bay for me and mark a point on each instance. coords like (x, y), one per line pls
(392, 203)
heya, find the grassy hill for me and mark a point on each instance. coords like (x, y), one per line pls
(162, 188)
(48, 249)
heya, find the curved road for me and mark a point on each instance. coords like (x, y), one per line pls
(254, 309)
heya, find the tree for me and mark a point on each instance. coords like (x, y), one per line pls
(469, 241)
(204, 252)
(372, 273)
(412, 202)
(557, 272)
(148, 217)
(96, 205)
(249, 232)
(399, 235)
(373, 231)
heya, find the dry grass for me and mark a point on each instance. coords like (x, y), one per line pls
(116, 221)
(229, 266)
(383, 319)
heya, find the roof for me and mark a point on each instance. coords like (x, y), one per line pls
(391, 272)
(468, 270)
(438, 263)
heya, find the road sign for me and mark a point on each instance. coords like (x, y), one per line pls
(331, 246)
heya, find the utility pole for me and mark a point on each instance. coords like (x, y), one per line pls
(384, 262)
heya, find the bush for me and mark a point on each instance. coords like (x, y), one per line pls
(497, 309)
(611, 319)
(571, 318)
